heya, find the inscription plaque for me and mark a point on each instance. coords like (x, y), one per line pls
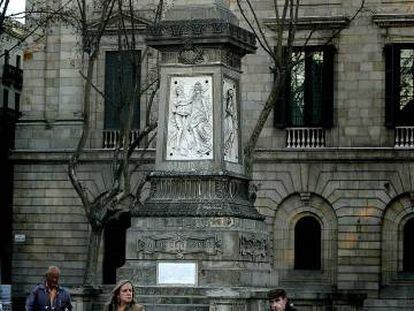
(173, 273)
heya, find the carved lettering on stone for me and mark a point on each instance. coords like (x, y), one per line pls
(190, 118)
(230, 121)
(253, 247)
(179, 245)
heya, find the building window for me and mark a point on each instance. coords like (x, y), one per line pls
(308, 244)
(122, 77)
(6, 57)
(5, 98)
(307, 98)
(408, 246)
(17, 103)
(399, 85)
(18, 61)
(114, 247)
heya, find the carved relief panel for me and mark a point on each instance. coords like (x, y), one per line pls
(190, 118)
(230, 121)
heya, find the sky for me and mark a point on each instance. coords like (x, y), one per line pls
(15, 6)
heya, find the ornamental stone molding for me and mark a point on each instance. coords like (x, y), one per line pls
(254, 247)
(179, 245)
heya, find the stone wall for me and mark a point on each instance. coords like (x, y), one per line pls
(360, 187)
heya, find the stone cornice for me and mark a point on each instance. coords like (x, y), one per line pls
(313, 22)
(200, 32)
(62, 156)
(330, 154)
(393, 20)
(335, 154)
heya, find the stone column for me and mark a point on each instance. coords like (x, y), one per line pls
(198, 218)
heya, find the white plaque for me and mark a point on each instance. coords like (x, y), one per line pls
(19, 238)
(173, 273)
(190, 118)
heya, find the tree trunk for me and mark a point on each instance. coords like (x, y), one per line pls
(95, 237)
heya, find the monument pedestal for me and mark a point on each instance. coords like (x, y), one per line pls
(198, 233)
(194, 261)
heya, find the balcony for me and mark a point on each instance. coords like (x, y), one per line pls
(12, 76)
(305, 137)
(404, 137)
(112, 138)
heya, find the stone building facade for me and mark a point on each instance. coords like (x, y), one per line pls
(11, 59)
(333, 169)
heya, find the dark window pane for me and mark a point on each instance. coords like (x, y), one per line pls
(408, 247)
(114, 247)
(6, 57)
(308, 244)
(122, 76)
(17, 102)
(18, 61)
(5, 98)
(316, 86)
(311, 87)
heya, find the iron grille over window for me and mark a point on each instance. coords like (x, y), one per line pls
(399, 85)
(122, 77)
(307, 98)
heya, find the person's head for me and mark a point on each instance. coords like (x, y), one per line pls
(198, 88)
(52, 276)
(179, 90)
(123, 293)
(277, 299)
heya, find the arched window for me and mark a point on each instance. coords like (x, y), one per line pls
(308, 244)
(114, 247)
(408, 246)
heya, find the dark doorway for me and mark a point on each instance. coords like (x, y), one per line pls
(308, 244)
(408, 247)
(114, 247)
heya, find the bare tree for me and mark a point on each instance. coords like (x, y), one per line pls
(119, 197)
(285, 29)
(4, 5)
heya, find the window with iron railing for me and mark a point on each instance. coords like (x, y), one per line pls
(399, 93)
(122, 89)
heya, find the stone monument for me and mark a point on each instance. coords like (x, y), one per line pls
(198, 235)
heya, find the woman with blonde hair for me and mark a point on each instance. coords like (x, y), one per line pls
(123, 298)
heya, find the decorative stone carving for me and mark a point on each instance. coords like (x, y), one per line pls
(253, 247)
(190, 54)
(201, 31)
(227, 56)
(179, 245)
(230, 121)
(190, 121)
(197, 195)
(305, 197)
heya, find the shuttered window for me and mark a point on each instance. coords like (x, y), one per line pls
(122, 86)
(399, 85)
(307, 98)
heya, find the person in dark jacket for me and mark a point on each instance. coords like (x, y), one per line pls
(279, 301)
(123, 298)
(48, 295)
